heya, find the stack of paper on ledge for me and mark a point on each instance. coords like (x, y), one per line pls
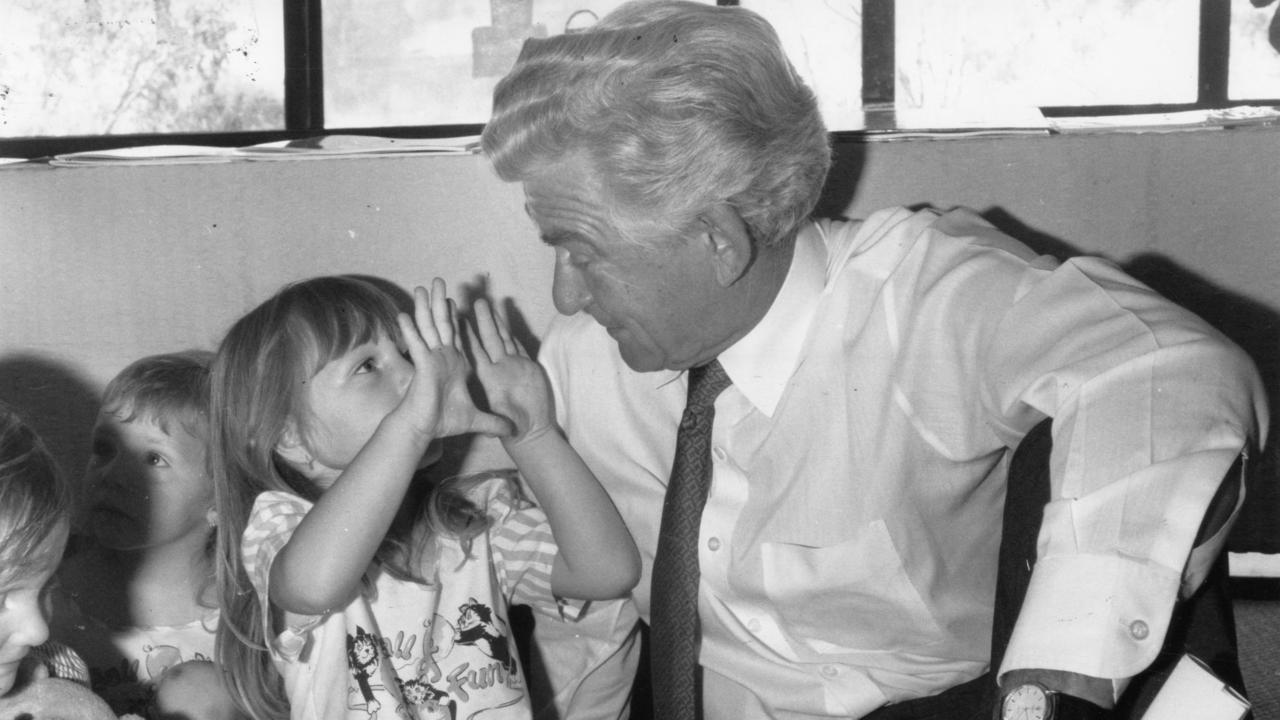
(327, 146)
(359, 146)
(148, 155)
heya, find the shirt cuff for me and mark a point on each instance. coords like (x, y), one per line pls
(1095, 615)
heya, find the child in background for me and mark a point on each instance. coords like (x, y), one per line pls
(349, 587)
(138, 599)
(34, 522)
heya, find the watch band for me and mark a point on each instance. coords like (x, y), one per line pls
(1070, 707)
(1033, 700)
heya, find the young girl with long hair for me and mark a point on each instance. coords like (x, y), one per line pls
(34, 522)
(352, 584)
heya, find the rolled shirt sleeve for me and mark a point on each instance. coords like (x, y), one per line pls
(1151, 407)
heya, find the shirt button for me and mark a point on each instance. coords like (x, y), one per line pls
(713, 544)
(719, 453)
(830, 671)
(753, 625)
(1138, 630)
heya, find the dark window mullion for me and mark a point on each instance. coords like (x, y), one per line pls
(878, 63)
(1215, 50)
(303, 66)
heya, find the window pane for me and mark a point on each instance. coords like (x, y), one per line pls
(1255, 51)
(389, 62)
(101, 67)
(992, 53)
(824, 42)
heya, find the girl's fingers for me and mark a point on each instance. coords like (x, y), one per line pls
(422, 315)
(493, 425)
(442, 312)
(508, 343)
(490, 336)
(413, 340)
(453, 321)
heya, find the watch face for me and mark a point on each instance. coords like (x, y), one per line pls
(1025, 702)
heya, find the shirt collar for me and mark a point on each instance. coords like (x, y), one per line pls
(761, 363)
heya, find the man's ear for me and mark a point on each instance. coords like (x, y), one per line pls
(293, 450)
(729, 241)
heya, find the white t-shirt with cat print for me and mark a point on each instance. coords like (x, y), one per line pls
(405, 649)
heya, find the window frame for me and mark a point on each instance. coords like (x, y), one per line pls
(304, 88)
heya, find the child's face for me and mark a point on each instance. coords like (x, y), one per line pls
(146, 488)
(348, 398)
(23, 623)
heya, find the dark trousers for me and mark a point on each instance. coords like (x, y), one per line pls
(969, 701)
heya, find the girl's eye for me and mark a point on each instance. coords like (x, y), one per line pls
(156, 460)
(366, 366)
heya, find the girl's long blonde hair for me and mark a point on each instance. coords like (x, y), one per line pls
(34, 495)
(258, 372)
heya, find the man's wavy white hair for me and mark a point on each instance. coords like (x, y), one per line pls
(677, 106)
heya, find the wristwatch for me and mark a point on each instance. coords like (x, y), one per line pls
(1033, 701)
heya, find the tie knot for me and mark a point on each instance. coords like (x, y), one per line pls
(706, 382)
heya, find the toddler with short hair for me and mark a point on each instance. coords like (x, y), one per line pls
(138, 600)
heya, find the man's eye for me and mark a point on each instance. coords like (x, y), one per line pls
(575, 259)
(156, 460)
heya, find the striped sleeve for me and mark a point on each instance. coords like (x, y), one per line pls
(525, 552)
(274, 517)
(62, 662)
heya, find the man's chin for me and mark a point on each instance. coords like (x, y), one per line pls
(638, 358)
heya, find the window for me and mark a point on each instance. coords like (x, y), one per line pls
(86, 74)
(389, 62)
(103, 67)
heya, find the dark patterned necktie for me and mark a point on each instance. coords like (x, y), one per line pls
(673, 594)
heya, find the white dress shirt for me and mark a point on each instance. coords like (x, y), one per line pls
(849, 542)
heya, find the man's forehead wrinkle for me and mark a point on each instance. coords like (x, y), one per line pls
(562, 222)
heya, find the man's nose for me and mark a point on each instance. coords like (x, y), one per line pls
(568, 292)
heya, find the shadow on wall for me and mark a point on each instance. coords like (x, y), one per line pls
(60, 404)
(1250, 324)
(847, 159)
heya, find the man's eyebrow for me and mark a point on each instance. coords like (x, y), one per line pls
(557, 238)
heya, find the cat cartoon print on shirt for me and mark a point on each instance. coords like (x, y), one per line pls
(431, 702)
(476, 627)
(364, 653)
(453, 667)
